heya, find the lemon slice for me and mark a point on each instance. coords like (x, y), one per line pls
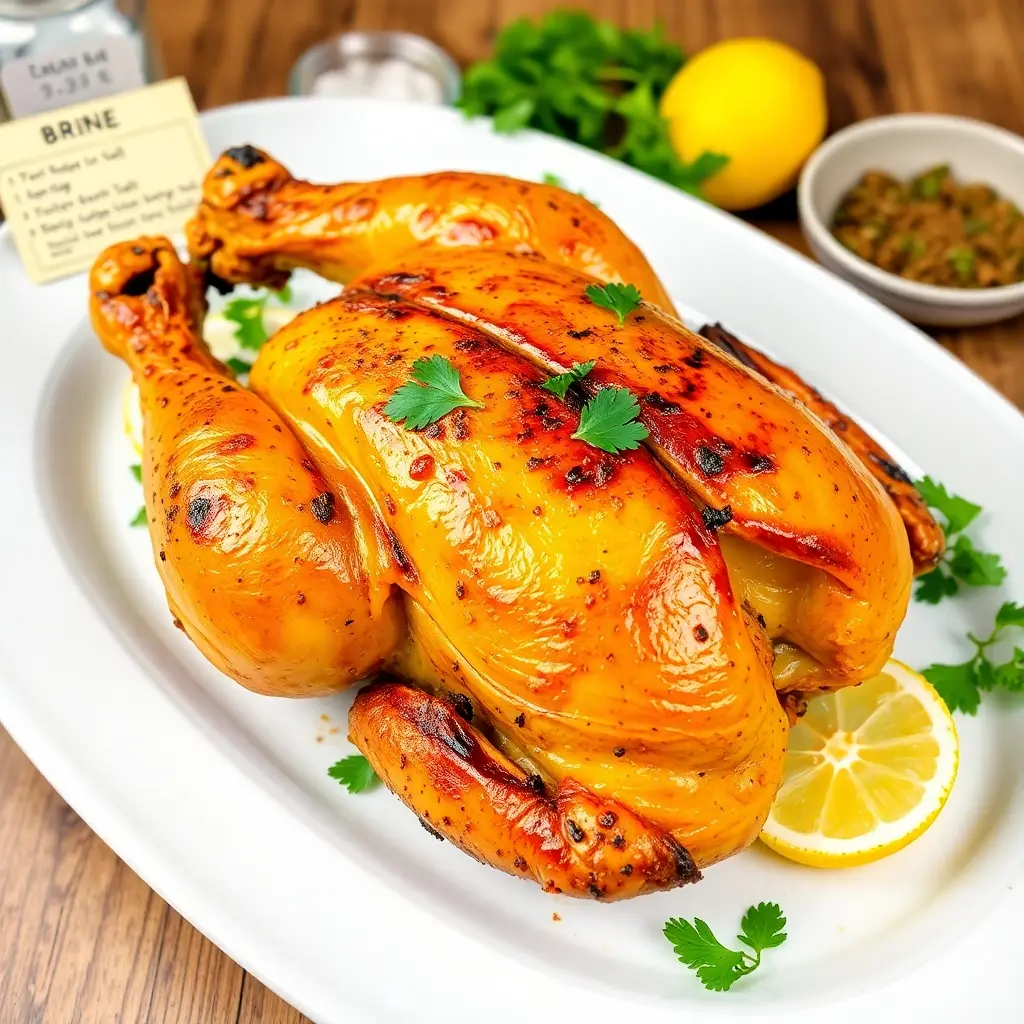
(868, 770)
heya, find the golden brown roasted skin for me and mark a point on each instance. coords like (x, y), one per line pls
(265, 566)
(758, 463)
(569, 841)
(577, 597)
(256, 223)
(596, 640)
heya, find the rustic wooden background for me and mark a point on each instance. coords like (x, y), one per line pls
(82, 939)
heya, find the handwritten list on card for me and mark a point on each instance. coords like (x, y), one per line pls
(75, 180)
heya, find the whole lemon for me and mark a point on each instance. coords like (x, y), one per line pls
(756, 101)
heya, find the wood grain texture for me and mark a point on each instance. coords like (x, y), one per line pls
(82, 939)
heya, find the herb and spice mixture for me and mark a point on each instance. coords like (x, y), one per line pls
(933, 229)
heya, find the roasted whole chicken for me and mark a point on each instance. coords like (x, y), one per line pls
(583, 664)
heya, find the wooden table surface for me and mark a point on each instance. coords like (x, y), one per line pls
(82, 938)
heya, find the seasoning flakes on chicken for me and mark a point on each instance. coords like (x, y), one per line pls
(583, 664)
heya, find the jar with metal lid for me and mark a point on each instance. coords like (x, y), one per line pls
(43, 29)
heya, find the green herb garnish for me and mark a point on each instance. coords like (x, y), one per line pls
(962, 563)
(238, 366)
(609, 421)
(247, 316)
(136, 471)
(355, 773)
(621, 299)
(961, 686)
(436, 394)
(560, 384)
(579, 78)
(140, 518)
(717, 966)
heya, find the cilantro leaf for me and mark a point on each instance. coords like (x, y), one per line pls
(238, 366)
(717, 966)
(436, 394)
(1010, 676)
(609, 421)
(355, 773)
(1010, 614)
(958, 512)
(140, 518)
(136, 472)
(933, 586)
(763, 927)
(561, 383)
(247, 316)
(962, 562)
(973, 567)
(957, 685)
(621, 299)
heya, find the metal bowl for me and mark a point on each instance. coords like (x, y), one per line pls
(334, 53)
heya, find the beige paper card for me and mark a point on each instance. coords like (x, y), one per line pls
(75, 180)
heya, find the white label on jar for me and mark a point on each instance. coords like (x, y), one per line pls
(84, 71)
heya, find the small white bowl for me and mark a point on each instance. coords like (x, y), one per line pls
(904, 145)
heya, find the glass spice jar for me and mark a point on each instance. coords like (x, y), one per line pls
(34, 28)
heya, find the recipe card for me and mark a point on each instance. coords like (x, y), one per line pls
(75, 180)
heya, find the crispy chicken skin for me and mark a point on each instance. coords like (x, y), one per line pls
(582, 654)
(577, 596)
(927, 539)
(570, 841)
(264, 565)
(256, 223)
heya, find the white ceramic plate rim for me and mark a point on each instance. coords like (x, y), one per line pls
(223, 893)
(814, 220)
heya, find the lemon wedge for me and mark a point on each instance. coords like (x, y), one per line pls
(867, 771)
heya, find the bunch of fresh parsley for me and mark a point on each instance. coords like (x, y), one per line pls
(586, 80)
(962, 563)
(717, 966)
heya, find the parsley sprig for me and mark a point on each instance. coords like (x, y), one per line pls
(961, 686)
(717, 966)
(579, 78)
(434, 391)
(962, 563)
(621, 299)
(561, 383)
(247, 316)
(609, 421)
(355, 773)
